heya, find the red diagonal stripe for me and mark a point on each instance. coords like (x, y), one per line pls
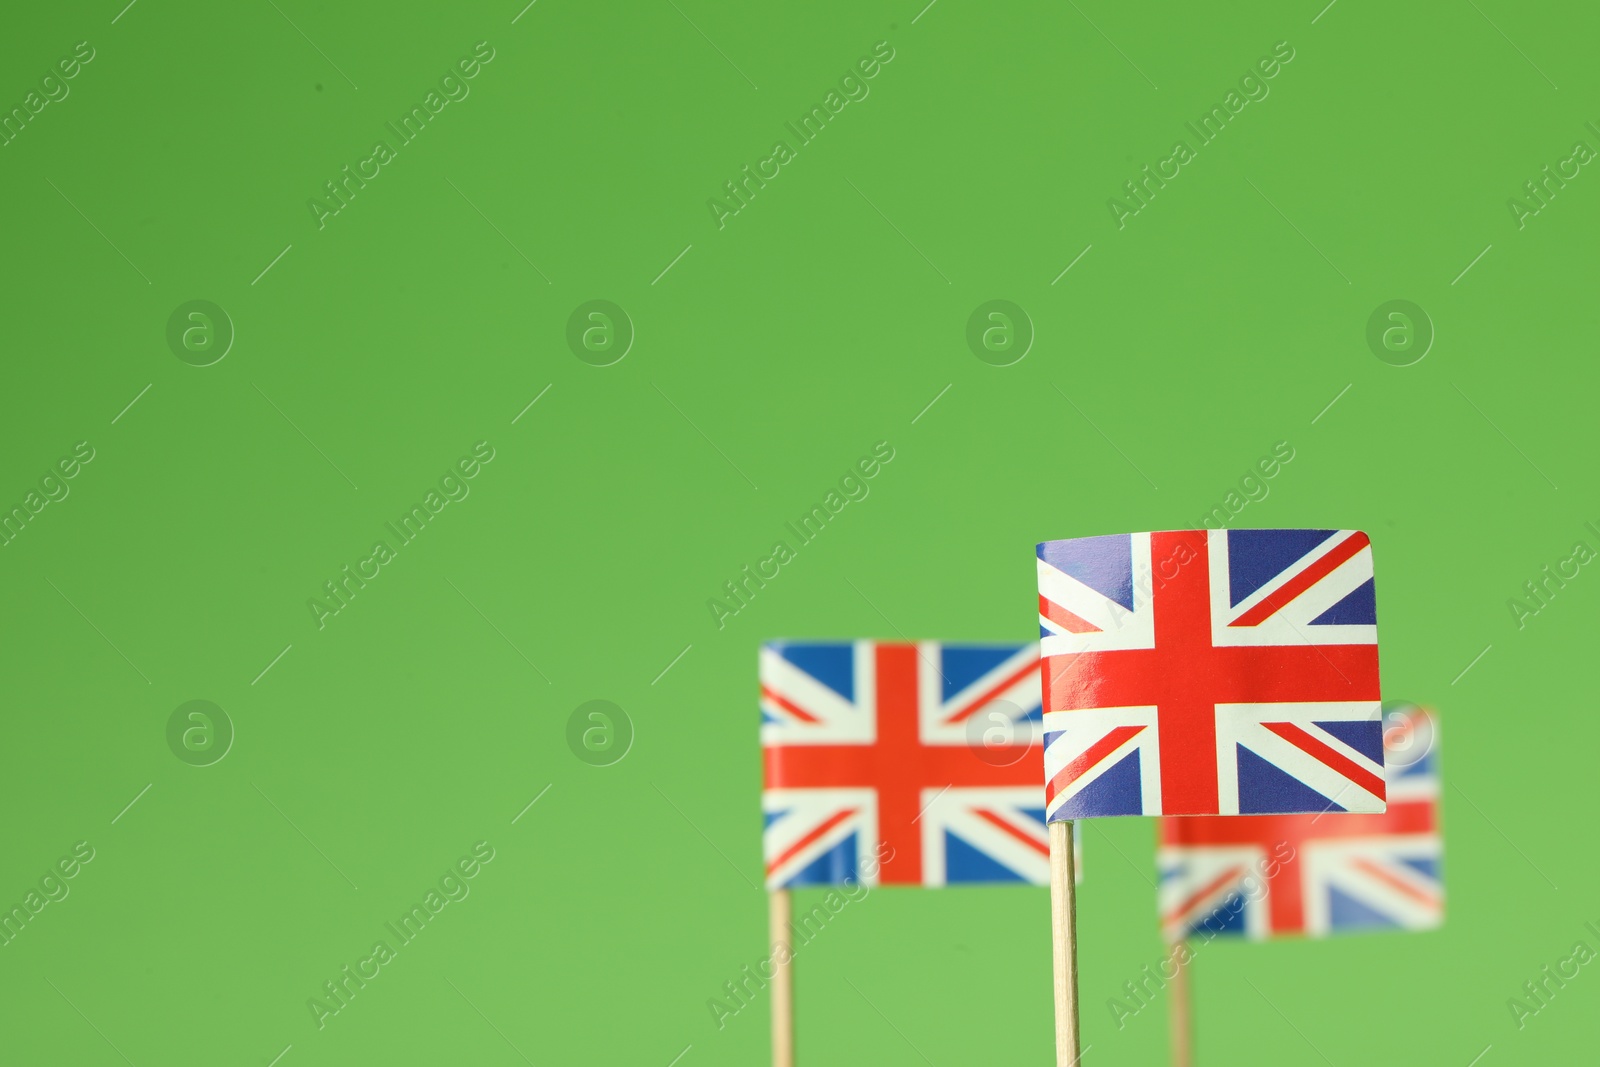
(1094, 754)
(792, 850)
(1041, 847)
(1177, 914)
(789, 706)
(1316, 749)
(1374, 871)
(1064, 618)
(980, 702)
(1304, 580)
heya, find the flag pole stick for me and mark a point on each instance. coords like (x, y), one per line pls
(1180, 1011)
(1064, 942)
(778, 914)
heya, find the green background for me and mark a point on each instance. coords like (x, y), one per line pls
(376, 750)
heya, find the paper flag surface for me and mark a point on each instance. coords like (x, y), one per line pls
(901, 764)
(1210, 672)
(1283, 875)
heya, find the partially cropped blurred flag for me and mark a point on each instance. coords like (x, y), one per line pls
(901, 763)
(1315, 875)
(1210, 672)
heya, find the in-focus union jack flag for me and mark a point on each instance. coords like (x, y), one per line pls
(923, 755)
(1282, 875)
(1210, 672)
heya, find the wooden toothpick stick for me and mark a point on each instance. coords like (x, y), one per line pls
(778, 913)
(1064, 940)
(1180, 1009)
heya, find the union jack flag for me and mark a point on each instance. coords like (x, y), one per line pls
(924, 754)
(1210, 672)
(1280, 875)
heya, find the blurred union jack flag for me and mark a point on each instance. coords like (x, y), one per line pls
(927, 751)
(1281, 875)
(1210, 672)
